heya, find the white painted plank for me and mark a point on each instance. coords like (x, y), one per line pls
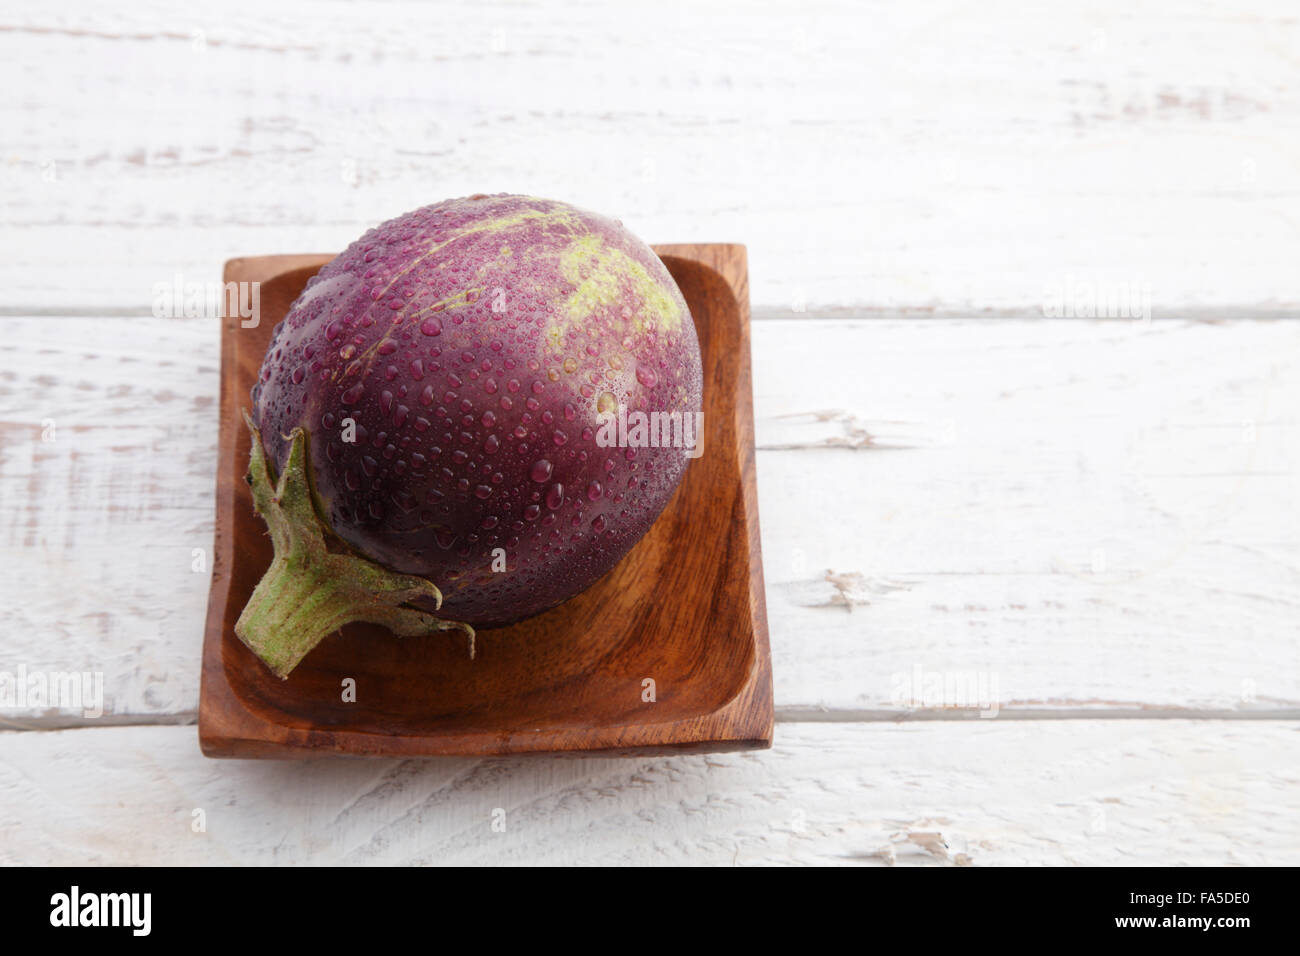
(926, 157)
(1006, 460)
(1094, 514)
(107, 472)
(1076, 793)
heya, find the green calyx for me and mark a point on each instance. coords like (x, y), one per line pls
(309, 592)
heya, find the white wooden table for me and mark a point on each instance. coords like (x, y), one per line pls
(1091, 525)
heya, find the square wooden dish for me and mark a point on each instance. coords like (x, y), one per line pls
(684, 608)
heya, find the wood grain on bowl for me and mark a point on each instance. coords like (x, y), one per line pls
(684, 608)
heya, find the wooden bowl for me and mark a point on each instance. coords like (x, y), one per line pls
(684, 608)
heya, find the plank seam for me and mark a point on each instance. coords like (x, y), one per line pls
(790, 715)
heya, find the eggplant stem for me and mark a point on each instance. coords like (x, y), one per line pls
(309, 592)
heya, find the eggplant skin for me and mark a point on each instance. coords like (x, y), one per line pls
(450, 369)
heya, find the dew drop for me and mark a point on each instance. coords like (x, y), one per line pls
(541, 471)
